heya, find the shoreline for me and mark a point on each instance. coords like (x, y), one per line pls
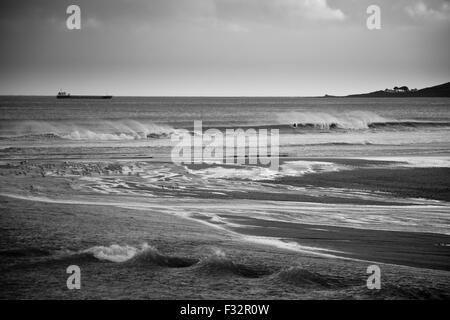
(231, 266)
(211, 247)
(414, 249)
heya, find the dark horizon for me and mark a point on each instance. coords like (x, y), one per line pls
(214, 96)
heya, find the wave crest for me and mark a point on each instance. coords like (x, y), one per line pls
(115, 252)
(217, 264)
(354, 120)
(100, 130)
(322, 120)
(143, 255)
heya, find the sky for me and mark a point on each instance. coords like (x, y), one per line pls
(222, 47)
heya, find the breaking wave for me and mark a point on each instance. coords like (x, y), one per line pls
(355, 120)
(101, 130)
(214, 263)
(144, 255)
(115, 252)
(218, 264)
(128, 129)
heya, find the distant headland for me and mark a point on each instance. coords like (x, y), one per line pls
(442, 90)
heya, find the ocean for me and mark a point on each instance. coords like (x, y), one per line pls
(360, 181)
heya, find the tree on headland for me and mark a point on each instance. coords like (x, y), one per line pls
(441, 90)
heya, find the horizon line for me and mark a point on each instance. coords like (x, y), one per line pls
(326, 95)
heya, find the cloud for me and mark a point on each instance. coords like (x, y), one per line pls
(276, 12)
(311, 9)
(240, 15)
(244, 15)
(420, 10)
(230, 15)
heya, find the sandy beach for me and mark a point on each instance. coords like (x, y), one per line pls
(132, 246)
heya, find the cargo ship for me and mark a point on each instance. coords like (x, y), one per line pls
(65, 95)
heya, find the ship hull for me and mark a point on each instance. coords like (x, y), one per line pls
(83, 97)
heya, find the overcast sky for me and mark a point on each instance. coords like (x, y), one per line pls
(222, 47)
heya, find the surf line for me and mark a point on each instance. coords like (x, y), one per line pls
(235, 146)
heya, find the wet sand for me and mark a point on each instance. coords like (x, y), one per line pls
(430, 183)
(187, 258)
(210, 263)
(415, 249)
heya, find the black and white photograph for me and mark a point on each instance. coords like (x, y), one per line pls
(225, 150)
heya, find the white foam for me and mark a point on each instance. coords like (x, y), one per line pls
(323, 120)
(115, 252)
(255, 173)
(417, 162)
(100, 130)
(292, 246)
